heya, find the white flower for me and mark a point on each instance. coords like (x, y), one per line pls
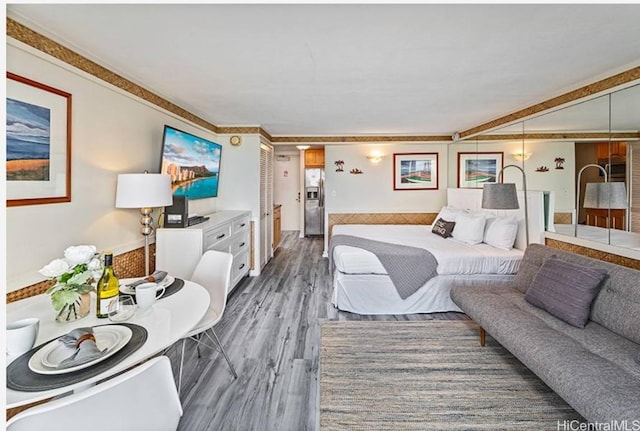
(55, 268)
(79, 254)
(94, 265)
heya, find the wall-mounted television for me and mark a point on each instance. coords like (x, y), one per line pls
(192, 162)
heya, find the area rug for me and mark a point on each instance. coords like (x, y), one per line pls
(428, 375)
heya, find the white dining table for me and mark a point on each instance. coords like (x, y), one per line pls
(169, 320)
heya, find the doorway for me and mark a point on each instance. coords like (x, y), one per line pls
(287, 188)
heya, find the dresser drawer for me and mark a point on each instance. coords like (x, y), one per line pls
(215, 236)
(240, 267)
(224, 245)
(240, 244)
(241, 224)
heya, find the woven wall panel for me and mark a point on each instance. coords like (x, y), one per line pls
(595, 254)
(562, 218)
(380, 218)
(125, 265)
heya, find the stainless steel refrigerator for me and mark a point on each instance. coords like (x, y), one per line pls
(313, 201)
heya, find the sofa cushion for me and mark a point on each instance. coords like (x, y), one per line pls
(566, 290)
(615, 306)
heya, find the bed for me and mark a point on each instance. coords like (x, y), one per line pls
(362, 285)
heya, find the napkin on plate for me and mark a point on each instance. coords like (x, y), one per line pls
(83, 341)
(156, 277)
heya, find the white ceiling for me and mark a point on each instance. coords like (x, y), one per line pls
(332, 69)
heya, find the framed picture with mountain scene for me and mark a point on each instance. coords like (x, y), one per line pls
(38, 138)
(415, 171)
(476, 169)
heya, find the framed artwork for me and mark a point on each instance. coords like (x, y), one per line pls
(415, 171)
(476, 169)
(38, 140)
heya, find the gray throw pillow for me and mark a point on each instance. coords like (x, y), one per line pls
(443, 228)
(565, 290)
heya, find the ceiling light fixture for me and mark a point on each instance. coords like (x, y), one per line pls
(303, 147)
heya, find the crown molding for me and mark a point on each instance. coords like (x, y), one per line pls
(46, 45)
(42, 43)
(575, 136)
(369, 138)
(589, 90)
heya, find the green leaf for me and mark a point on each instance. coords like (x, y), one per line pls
(63, 297)
(80, 278)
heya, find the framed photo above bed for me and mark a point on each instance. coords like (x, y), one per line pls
(476, 169)
(415, 171)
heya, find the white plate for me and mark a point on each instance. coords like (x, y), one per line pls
(128, 290)
(110, 337)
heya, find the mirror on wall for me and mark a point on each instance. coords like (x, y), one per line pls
(602, 133)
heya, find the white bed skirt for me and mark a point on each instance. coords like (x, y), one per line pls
(376, 294)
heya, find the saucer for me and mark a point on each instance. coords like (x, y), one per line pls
(128, 290)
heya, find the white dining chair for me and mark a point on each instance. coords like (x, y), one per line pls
(213, 272)
(142, 399)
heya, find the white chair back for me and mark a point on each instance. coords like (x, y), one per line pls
(213, 272)
(144, 398)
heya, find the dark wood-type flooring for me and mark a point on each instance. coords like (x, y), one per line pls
(271, 332)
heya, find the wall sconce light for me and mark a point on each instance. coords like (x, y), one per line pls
(520, 156)
(375, 157)
(302, 147)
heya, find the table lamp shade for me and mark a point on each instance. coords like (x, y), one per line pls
(143, 191)
(605, 195)
(500, 196)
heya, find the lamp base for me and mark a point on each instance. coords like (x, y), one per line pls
(147, 229)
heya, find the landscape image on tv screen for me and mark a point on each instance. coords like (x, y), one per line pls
(192, 162)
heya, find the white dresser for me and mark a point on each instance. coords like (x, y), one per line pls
(178, 250)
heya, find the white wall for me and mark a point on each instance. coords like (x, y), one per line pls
(373, 190)
(113, 132)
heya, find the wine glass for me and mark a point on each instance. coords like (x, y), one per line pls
(121, 309)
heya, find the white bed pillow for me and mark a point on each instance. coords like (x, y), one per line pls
(469, 228)
(501, 232)
(448, 213)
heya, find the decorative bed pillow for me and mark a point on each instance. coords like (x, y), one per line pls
(443, 228)
(469, 228)
(565, 290)
(449, 213)
(500, 232)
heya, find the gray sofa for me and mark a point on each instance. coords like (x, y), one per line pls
(596, 369)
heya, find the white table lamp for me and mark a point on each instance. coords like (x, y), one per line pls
(145, 191)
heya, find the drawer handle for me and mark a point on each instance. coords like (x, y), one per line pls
(243, 225)
(222, 235)
(241, 266)
(241, 244)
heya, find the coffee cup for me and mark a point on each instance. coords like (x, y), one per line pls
(21, 336)
(147, 294)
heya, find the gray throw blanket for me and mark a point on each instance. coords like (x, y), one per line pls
(408, 267)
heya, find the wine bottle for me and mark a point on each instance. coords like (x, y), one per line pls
(108, 287)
